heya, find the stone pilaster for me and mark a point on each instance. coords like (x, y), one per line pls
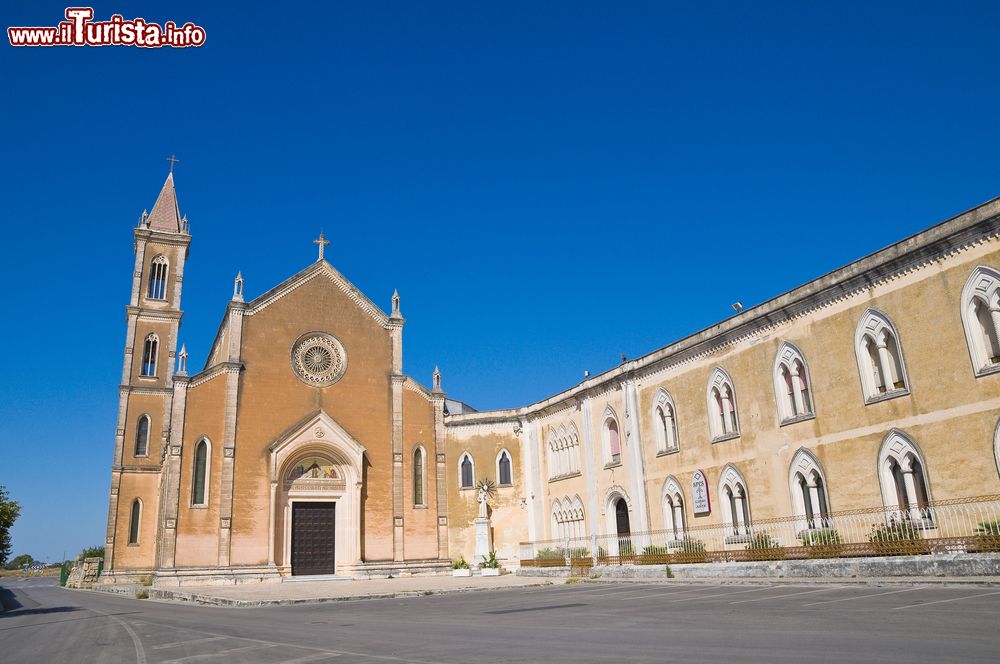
(171, 484)
(228, 463)
(440, 472)
(630, 396)
(590, 467)
(398, 552)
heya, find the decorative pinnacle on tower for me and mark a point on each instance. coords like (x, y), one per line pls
(436, 380)
(238, 287)
(182, 361)
(395, 304)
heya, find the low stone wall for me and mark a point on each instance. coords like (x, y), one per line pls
(947, 565)
(84, 573)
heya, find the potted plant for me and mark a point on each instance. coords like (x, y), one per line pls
(490, 565)
(460, 568)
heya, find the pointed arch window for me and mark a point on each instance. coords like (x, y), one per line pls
(200, 473)
(504, 475)
(792, 385)
(563, 452)
(149, 351)
(807, 484)
(673, 509)
(134, 521)
(665, 421)
(419, 473)
(142, 437)
(981, 318)
(736, 504)
(466, 472)
(157, 288)
(904, 481)
(723, 420)
(880, 361)
(612, 438)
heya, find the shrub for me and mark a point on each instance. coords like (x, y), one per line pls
(670, 572)
(549, 554)
(896, 537)
(691, 551)
(146, 580)
(460, 563)
(822, 543)
(655, 550)
(988, 536)
(579, 552)
(91, 552)
(142, 594)
(763, 547)
(490, 561)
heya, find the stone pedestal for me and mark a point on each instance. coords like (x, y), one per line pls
(484, 540)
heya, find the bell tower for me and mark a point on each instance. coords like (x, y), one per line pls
(153, 317)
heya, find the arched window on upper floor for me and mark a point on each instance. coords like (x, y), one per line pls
(665, 422)
(723, 420)
(880, 359)
(505, 476)
(612, 438)
(792, 384)
(142, 436)
(903, 477)
(134, 522)
(419, 476)
(674, 519)
(981, 318)
(157, 289)
(735, 503)
(150, 347)
(466, 472)
(200, 473)
(807, 486)
(563, 452)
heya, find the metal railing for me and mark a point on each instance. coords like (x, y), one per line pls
(963, 525)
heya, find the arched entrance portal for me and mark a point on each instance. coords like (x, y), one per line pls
(316, 499)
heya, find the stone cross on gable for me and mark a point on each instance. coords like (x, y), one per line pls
(322, 242)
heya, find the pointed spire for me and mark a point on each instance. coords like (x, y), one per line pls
(143, 217)
(238, 287)
(182, 361)
(395, 304)
(165, 215)
(436, 380)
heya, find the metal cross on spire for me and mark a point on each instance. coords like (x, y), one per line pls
(322, 242)
(173, 160)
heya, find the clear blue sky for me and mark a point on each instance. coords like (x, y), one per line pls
(548, 185)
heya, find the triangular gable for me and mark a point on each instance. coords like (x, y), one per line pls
(319, 269)
(166, 215)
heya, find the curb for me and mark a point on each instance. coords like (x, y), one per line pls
(943, 582)
(162, 594)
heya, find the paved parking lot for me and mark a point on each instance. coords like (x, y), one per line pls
(583, 622)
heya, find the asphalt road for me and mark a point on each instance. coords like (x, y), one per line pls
(577, 623)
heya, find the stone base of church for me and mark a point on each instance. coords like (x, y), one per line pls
(384, 569)
(215, 576)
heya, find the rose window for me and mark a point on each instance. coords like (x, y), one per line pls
(318, 359)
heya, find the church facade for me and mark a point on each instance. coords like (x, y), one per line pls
(301, 448)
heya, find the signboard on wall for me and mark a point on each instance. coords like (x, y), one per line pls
(699, 493)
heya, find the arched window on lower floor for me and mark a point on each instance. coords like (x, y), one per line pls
(736, 502)
(419, 472)
(808, 491)
(904, 480)
(199, 481)
(134, 522)
(142, 437)
(466, 472)
(673, 509)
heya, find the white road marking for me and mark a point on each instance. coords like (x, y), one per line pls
(739, 592)
(140, 653)
(942, 601)
(189, 642)
(849, 599)
(764, 599)
(218, 653)
(309, 658)
(681, 592)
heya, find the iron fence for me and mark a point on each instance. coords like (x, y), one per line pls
(964, 525)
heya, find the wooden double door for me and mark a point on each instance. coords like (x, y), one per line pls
(313, 537)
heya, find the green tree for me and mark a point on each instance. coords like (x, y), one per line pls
(20, 561)
(9, 511)
(92, 552)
